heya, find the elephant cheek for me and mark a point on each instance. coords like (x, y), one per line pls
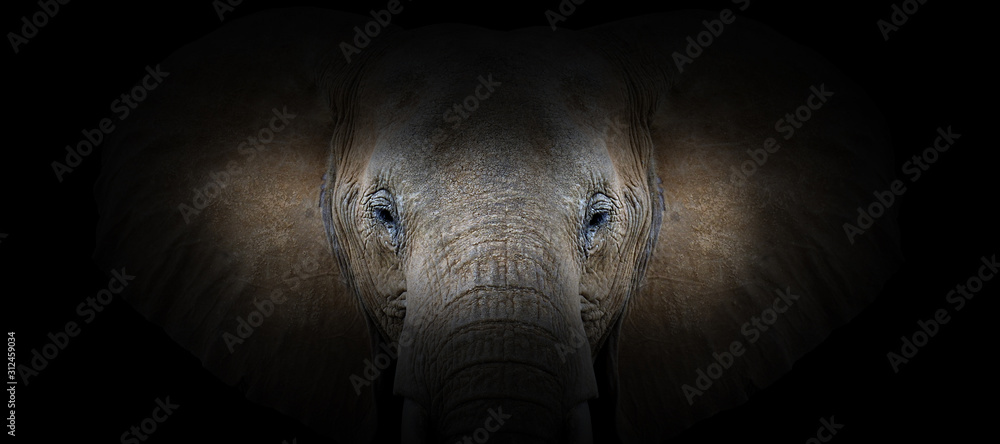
(599, 302)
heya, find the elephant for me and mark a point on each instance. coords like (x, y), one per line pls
(522, 236)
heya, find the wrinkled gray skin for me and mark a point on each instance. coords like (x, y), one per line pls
(575, 240)
(496, 250)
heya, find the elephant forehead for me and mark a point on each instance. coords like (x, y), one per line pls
(493, 162)
(516, 134)
(474, 112)
(506, 166)
(503, 149)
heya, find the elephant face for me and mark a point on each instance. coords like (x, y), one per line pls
(493, 230)
(499, 256)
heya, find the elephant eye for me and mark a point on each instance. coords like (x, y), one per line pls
(598, 215)
(384, 215)
(598, 219)
(382, 211)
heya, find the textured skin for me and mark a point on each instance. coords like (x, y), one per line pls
(721, 250)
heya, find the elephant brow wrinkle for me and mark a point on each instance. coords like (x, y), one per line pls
(496, 288)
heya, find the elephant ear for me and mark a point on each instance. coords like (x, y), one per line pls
(209, 196)
(747, 227)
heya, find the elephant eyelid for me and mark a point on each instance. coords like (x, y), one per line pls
(381, 200)
(382, 210)
(599, 212)
(600, 205)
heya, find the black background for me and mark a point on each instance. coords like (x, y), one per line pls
(928, 75)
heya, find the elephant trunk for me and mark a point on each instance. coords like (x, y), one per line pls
(511, 382)
(507, 360)
(509, 386)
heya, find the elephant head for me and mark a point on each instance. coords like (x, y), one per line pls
(499, 229)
